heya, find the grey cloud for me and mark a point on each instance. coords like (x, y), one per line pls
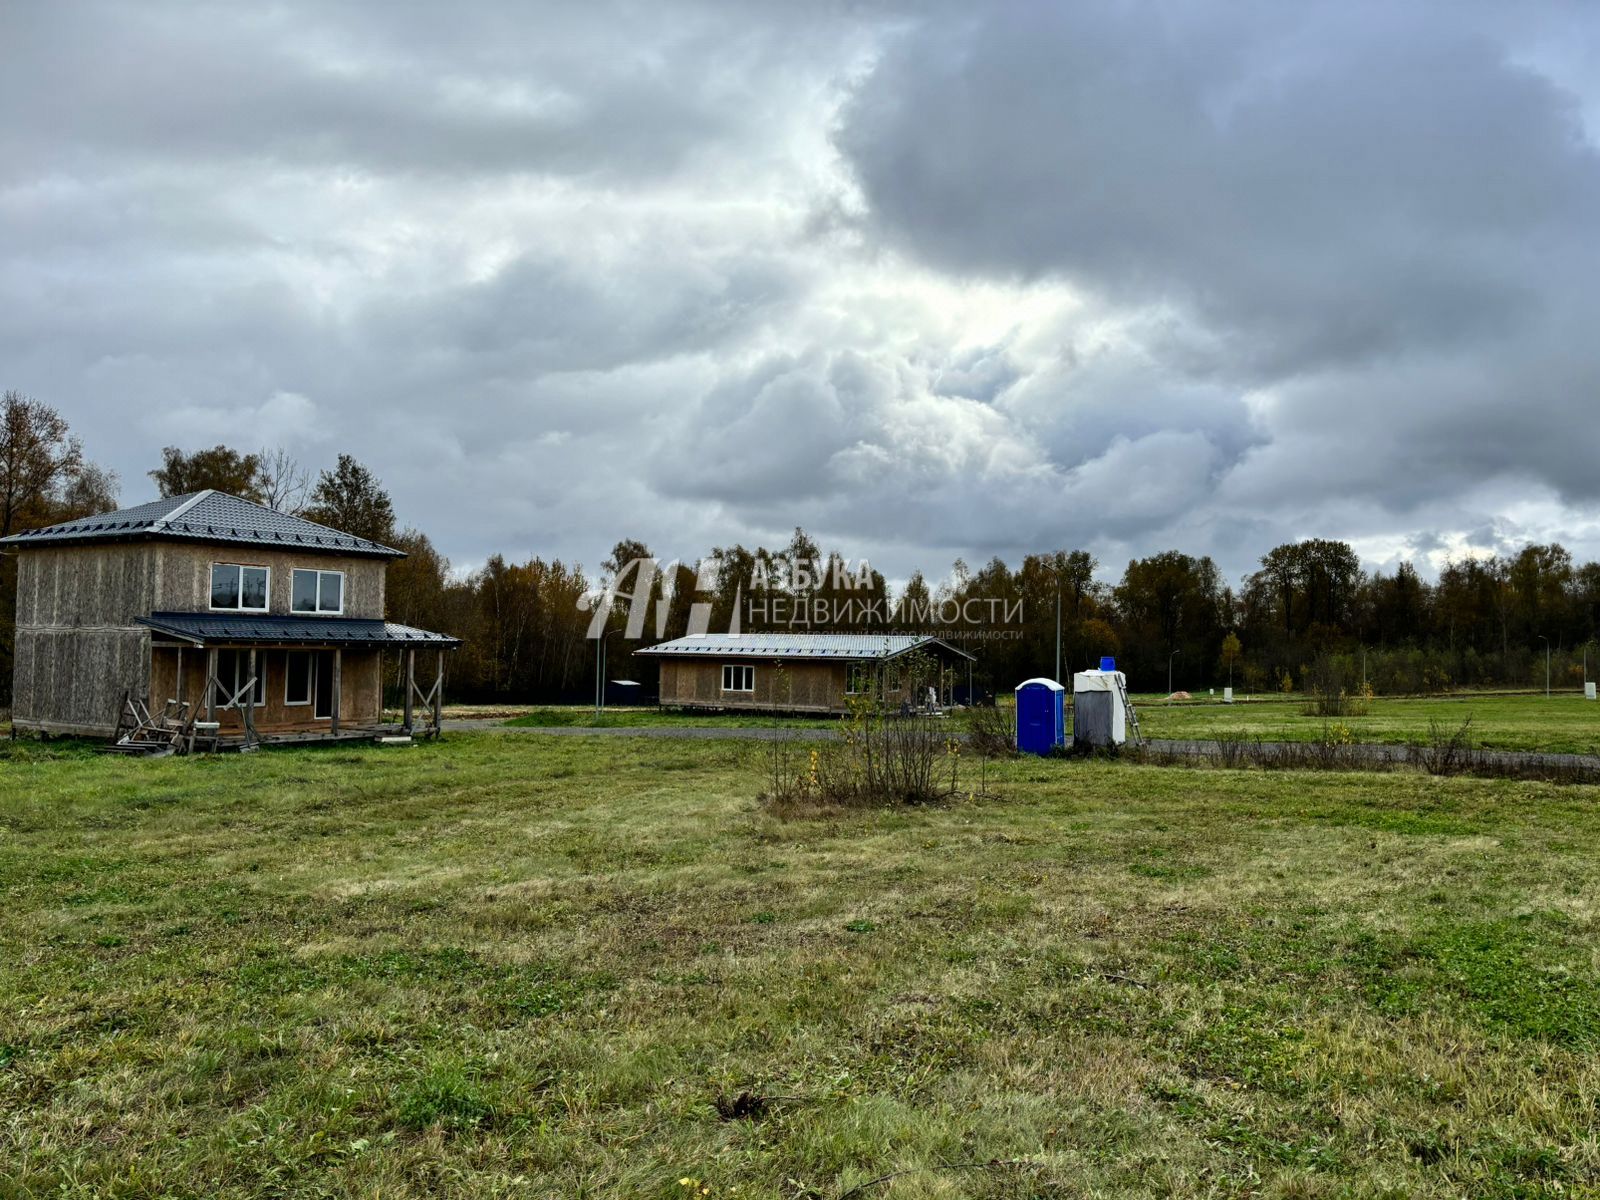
(571, 273)
(1380, 221)
(1342, 180)
(486, 88)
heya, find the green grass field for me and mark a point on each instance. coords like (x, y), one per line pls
(1563, 723)
(507, 966)
(550, 716)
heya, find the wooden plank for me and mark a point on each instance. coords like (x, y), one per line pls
(438, 695)
(411, 683)
(338, 668)
(250, 697)
(211, 684)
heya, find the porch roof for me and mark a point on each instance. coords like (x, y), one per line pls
(231, 629)
(844, 647)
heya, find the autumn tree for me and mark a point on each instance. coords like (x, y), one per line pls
(415, 587)
(220, 467)
(351, 499)
(92, 490)
(39, 457)
(1232, 651)
(285, 484)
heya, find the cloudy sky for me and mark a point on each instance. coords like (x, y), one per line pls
(929, 280)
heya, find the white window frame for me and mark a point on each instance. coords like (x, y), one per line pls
(319, 611)
(311, 679)
(241, 664)
(240, 567)
(860, 673)
(743, 673)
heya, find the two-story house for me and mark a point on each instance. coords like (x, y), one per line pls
(268, 624)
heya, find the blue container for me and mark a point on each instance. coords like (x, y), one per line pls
(1041, 716)
(1108, 664)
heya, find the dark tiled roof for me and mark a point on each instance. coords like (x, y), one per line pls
(232, 628)
(841, 646)
(209, 516)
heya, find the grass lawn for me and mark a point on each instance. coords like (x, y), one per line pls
(1564, 723)
(509, 966)
(639, 718)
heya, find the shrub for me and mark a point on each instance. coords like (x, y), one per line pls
(1328, 683)
(1447, 751)
(991, 732)
(881, 759)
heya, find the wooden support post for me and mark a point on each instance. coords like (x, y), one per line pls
(338, 667)
(177, 693)
(211, 688)
(410, 684)
(438, 695)
(250, 701)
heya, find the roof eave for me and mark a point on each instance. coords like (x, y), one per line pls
(22, 542)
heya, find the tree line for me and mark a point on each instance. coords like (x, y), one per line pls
(1308, 607)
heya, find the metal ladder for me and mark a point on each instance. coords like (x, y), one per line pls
(1127, 704)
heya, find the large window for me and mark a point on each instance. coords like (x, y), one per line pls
(297, 677)
(238, 588)
(738, 679)
(233, 670)
(317, 592)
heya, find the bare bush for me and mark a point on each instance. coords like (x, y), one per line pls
(1232, 749)
(991, 732)
(881, 759)
(1447, 751)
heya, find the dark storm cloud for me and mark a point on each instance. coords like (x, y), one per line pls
(1382, 218)
(928, 279)
(1336, 180)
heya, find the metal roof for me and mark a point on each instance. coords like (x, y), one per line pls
(209, 516)
(841, 646)
(234, 629)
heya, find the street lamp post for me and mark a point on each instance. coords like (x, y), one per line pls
(600, 672)
(1058, 630)
(1170, 657)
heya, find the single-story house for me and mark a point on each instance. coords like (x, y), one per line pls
(804, 672)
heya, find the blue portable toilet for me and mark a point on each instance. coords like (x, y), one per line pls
(1041, 716)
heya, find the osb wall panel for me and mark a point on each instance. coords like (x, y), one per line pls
(85, 585)
(360, 688)
(185, 577)
(801, 686)
(113, 584)
(72, 680)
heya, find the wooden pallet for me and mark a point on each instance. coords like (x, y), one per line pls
(141, 733)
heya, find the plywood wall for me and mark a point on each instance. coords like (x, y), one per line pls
(78, 647)
(797, 687)
(184, 578)
(72, 680)
(114, 583)
(360, 688)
